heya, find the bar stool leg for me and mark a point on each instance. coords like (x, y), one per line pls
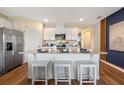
(78, 72)
(46, 75)
(32, 82)
(90, 73)
(95, 75)
(55, 68)
(69, 75)
(55, 81)
(32, 75)
(65, 71)
(80, 76)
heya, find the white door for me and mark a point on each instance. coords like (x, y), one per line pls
(32, 39)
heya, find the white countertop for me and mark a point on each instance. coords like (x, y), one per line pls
(35, 52)
(60, 53)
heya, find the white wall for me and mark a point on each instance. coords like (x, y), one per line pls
(90, 29)
(84, 37)
(32, 29)
(96, 37)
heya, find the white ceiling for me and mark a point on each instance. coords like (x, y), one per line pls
(68, 15)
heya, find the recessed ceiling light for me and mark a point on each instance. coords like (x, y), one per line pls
(46, 20)
(81, 19)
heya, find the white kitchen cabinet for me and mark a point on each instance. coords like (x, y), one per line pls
(6, 23)
(71, 33)
(60, 31)
(68, 33)
(52, 34)
(74, 34)
(46, 35)
(49, 33)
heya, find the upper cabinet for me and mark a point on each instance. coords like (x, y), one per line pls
(6, 23)
(74, 34)
(49, 33)
(70, 33)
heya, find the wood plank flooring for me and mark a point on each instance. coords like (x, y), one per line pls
(18, 76)
(15, 76)
(110, 75)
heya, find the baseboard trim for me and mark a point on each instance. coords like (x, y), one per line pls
(112, 65)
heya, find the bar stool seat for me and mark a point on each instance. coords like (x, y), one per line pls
(91, 76)
(62, 71)
(39, 71)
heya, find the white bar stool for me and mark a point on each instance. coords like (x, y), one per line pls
(62, 71)
(39, 71)
(83, 64)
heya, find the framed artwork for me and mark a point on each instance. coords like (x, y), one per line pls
(116, 36)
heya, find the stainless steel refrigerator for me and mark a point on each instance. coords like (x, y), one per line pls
(11, 46)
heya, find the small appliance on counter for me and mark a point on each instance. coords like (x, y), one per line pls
(63, 50)
(41, 51)
(82, 50)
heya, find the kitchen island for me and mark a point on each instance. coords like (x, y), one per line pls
(32, 56)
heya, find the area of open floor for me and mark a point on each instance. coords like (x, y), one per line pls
(18, 76)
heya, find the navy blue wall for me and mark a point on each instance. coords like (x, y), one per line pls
(115, 57)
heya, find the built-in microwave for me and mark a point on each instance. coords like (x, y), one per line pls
(60, 36)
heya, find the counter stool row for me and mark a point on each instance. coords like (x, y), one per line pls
(40, 73)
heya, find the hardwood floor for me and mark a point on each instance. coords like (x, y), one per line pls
(111, 75)
(18, 76)
(15, 76)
